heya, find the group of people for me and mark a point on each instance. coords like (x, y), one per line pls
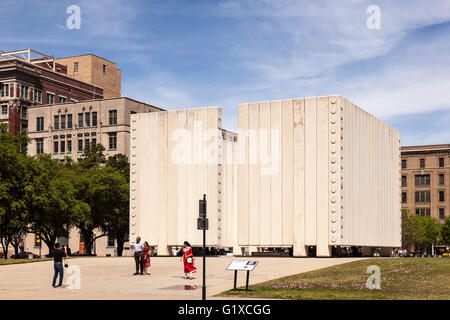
(142, 253)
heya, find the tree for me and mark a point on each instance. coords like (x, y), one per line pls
(445, 231)
(118, 222)
(51, 199)
(15, 175)
(93, 156)
(419, 232)
(103, 190)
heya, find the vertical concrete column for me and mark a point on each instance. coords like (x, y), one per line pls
(299, 247)
(323, 249)
(163, 249)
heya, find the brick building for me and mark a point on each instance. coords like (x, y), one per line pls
(426, 180)
(31, 78)
(95, 70)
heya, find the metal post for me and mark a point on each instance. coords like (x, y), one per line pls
(204, 266)
(246, 282)
(235, 279)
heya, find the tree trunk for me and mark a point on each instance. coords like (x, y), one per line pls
(120, 242)
(5, 250)
(87, 235)
(16, 249)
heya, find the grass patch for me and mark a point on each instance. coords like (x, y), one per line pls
(401, 278)
(18, 261)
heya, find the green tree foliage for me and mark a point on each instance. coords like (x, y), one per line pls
(15, 175)
(118, 221)
(419, 232)
(445, 232)
(51, 199)
(41, 195)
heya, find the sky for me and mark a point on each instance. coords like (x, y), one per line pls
(195, 53)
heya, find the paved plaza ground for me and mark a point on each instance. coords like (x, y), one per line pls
(111, 277)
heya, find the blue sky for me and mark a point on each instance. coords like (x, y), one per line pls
(192, 53)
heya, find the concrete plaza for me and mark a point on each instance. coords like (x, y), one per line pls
(111, 277)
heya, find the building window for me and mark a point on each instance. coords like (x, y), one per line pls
(4, 111)
(93, 141)
(423, 212)
(80, 145)
(62, 100)
(24, 92)
(94, 119)
(63, 121)
(441, 179)
(112, 117)
(69, 121)
(403, 164)
(422, 163)
(110, 240)
(56, 122)
(63, 147)
(87, 119)
(69, 146)
(50, 98)
(441, 162)
(404, 197)
(104, 69)
(422, 180)
(75, 67)
(24, 112)
(403, 181)
(39, 145)
(5, 91)
(86, 143)
(112, 140)
(441, 196)
(38, 96)
(55, 147)
(80, 120)
(40, 124)
(441, 213)
(422, 196)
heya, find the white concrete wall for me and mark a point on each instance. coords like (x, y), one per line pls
(333, 163)
(371, 214)
(170, 172)
(304, 172)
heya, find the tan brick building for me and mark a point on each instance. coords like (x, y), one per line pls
(95, 70)
(425, 180)
(64, 130)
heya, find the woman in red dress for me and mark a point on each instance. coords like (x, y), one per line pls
(188, 261)
(146, 252)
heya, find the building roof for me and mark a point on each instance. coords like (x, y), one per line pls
(426, 149)
(95, 100)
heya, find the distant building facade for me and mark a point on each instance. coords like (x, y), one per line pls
(95, 70)
(30, 78)
(426, 180)
(64, 130)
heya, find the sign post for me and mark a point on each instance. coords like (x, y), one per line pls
(202, 224)
(242, 265)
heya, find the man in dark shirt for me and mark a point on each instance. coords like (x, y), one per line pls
(58, 255)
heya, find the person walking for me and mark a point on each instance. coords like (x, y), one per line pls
(146, 252)
(58, 255)
(137, 251)
(188, 261)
